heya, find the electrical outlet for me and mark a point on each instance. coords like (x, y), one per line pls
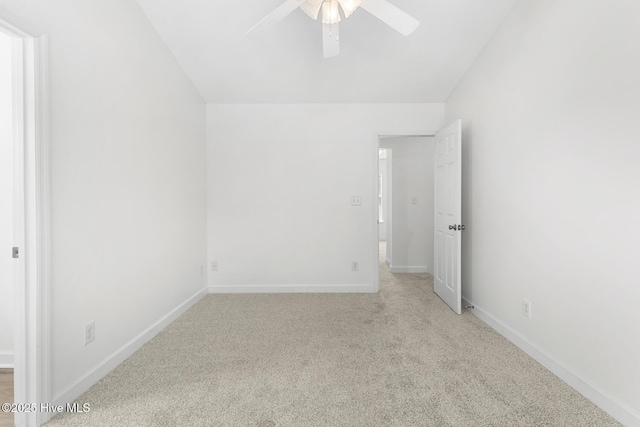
(526, 308)
(89, 333)
(214, 265)
(355, 266)
(356, 201)
(414, 200)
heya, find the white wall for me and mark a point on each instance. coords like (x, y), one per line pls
(389, 223)
(382, 170)
(127, 174)
(276, 217)
(6, 205)
(551, 195)
(412, 203)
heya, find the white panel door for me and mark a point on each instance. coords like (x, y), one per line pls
(448, 227)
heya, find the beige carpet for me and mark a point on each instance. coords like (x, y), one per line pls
(396, 358)
(6, 395)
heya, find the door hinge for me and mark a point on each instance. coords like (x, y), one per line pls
(15, 252)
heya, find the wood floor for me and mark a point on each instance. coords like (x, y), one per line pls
(6, 395)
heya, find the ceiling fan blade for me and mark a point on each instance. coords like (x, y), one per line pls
(276, 16)
(400, 21)
(330, 40)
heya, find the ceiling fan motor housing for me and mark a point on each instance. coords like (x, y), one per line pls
(330, 9)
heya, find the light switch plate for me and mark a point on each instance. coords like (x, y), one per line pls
(526, 308)
(89, 333)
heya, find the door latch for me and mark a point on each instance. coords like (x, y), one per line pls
(15, 252)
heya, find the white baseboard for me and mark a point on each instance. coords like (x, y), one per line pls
(618, 410)
(73, 391)
(280, 289)
(388, 262)
(6, 359)
(409, 269)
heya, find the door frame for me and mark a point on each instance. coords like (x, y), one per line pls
(377, 135)
(32, 224)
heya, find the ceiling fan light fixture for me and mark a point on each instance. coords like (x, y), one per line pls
(331, 16)
(312, 8)
(330, 12)
(349, 6)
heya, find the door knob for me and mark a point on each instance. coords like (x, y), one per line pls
(461, 227)
(452, 227)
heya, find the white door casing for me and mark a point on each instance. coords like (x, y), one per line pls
(32, 268)
(448, 215)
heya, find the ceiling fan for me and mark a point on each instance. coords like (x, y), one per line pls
(381, 9)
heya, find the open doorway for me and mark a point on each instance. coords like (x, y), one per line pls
(446, 183)
(405, 203)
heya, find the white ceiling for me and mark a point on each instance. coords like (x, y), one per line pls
(285, 64)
